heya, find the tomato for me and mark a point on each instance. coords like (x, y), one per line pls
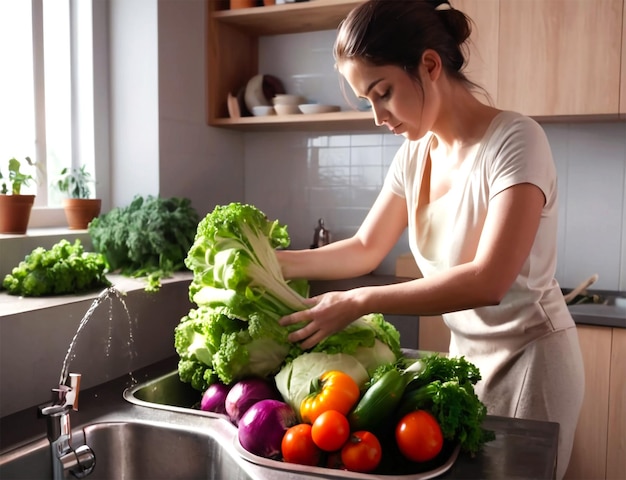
(330, 430)
(334, 390)
(419, 436)
(362, 452)
(298, 447)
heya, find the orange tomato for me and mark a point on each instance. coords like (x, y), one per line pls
(334, 390)
(362, 452)
(418, 436)
(330, 430)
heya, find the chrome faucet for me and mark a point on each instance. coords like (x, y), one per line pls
(80, 461)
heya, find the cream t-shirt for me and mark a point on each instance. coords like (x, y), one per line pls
(446, 233)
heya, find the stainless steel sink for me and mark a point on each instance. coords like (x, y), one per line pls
(168, 393)
(138, 450)
(159, 433)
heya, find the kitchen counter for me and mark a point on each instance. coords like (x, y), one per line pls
(522, 448)
(585, 314)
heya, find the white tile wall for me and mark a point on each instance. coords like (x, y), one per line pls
(299, 177)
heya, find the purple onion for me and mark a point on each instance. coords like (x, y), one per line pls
(214, 398)
(263, 426)
(246, 393)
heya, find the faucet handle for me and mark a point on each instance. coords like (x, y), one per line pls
(71, 398)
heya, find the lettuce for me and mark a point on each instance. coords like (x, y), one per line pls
(241, 294)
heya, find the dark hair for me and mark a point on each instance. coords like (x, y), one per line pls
(397, 32)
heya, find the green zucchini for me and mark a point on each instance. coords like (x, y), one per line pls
(379, 401)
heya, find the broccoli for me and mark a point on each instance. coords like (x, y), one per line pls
(65, 268)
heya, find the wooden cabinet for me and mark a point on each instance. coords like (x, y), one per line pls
(560, 57)
(232, 59)
(600, 442)
(232, 56)
(588, 460)
(616, 448)
(483, 48)
(544, 58)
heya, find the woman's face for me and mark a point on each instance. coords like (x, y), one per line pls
(397, 99)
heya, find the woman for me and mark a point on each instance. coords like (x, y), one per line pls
(476, 188)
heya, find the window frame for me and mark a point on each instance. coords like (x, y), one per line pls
(90, 105)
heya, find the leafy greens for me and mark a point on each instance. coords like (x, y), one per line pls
(149, 237)
(241, 294)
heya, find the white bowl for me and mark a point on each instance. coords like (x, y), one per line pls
(260, 89)
(262, 110)
(286, 109)
(316, 108)
(286, 99)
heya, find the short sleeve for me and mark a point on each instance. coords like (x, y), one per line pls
(522, 155)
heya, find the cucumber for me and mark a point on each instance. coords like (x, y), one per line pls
(379, 401)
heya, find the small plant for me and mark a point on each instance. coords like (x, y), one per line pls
(16, 179)
(75, 182)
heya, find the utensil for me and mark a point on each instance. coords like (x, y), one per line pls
(581, 288)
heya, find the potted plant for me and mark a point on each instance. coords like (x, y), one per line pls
(15, 207)
(79, 208)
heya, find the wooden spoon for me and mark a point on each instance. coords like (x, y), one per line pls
(581, 288)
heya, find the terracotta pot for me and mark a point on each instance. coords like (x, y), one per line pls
(15, 213)
(234, 4)
(80, 211)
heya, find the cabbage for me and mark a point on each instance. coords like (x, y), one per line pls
(294, 379)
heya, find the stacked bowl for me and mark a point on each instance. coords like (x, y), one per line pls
(285, 104)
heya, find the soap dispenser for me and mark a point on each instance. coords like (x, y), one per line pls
(321, 236)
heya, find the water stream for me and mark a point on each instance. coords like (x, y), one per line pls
(109, 294)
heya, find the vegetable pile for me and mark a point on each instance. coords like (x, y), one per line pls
(241, 294)
(354, 401)
(148, 238)
(407, 418)
(64, 268)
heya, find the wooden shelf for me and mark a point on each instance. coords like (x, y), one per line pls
(288, 18)
(233, 59)
(317, 122)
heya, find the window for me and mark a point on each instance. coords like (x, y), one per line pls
(46, 91)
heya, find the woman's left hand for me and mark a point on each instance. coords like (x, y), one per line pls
(330, 313)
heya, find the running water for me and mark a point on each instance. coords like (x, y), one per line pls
(111, 294)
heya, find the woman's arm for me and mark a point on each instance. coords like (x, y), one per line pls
(354, 256)
(507, 238)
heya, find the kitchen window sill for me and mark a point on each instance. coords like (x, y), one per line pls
(14, 305)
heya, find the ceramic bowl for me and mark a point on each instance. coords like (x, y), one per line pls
(286, 109)
(316, 108)
(260, 89)
(262, 110)
(286, 99)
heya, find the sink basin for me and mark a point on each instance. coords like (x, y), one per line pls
(169, 393)
(161, 434)
(136, 450)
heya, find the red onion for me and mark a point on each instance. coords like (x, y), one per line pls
(246, 393)
(214, 398)
(262, 427)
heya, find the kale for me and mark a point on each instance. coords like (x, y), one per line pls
(148, 238)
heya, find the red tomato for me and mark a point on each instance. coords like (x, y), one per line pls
(330, 430)
(298, 447)
(419, 436)
(362, 452)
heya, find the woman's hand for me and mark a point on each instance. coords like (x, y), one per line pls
(330, 313)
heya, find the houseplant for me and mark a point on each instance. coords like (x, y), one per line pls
(79, 208)
(15, 207)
